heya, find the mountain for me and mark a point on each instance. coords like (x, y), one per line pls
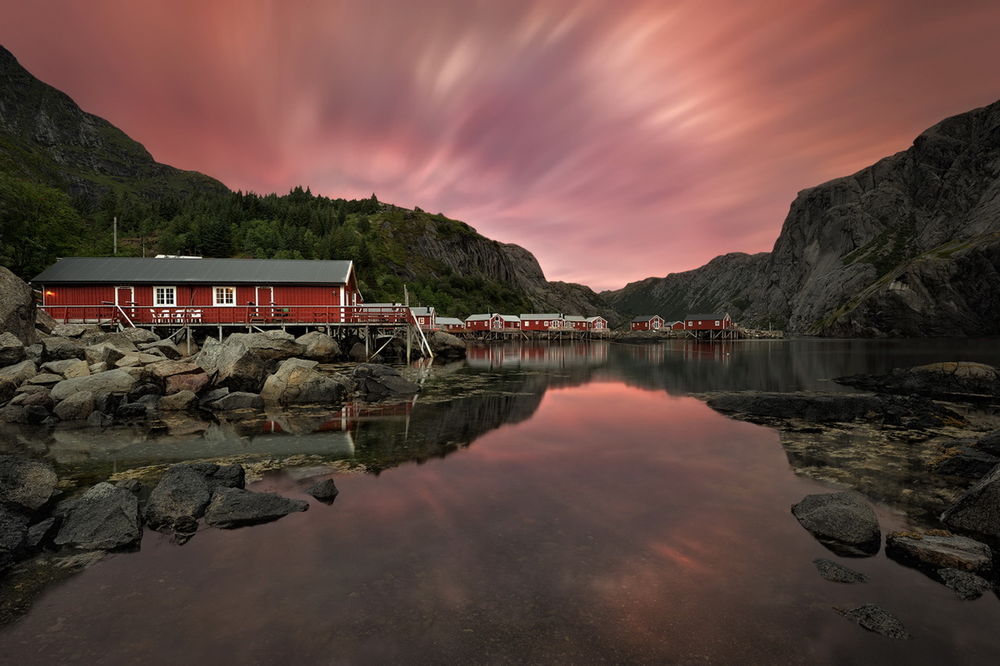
(66, 174)
(909, 246)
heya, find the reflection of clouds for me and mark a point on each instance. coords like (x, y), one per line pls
(529, 120)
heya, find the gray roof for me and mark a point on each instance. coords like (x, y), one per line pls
(535, 315)
(644, 317)
(480, 317)
(422, 311)
(595, 318)
(449, 321)
(706, 316)
(130, 270)
(510, 317)
(575, 318)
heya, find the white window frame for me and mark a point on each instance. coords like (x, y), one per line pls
(215, 297)
(717, 322)
(173, 296)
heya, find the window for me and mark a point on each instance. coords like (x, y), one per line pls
(716, 322)
(225, 296)
(164, 296)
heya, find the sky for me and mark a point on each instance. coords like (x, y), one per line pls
(615, 139)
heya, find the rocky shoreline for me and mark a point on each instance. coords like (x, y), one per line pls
(941, 423)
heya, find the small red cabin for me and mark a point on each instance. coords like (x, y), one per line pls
(677, 326)
(597, 323)
(449, 324)
(424, 317)
(647, 323)
(576, 323)
(708, 322)
(541, 321)
(484, 322)
(196, 291)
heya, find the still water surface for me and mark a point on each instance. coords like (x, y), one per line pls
(572, 504)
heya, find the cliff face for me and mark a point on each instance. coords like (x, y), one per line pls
(46, 137)
(907, 246)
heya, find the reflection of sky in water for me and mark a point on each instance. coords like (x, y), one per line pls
(615, 524)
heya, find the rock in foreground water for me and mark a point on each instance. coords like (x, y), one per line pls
(25, 483)
(978, 510)
(934, 551)
(966, 585)
(324, 491)
(877, 620)
(103, 518)
(233, 507)
(838, 573)
(843, 522)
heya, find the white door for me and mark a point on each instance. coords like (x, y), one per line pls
(125, 299)
(264, 298)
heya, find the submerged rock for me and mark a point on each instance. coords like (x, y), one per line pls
(876, 619)
(233, 507)
(953, 380)
(843, 522)
(182, 493)
(834, 407)
(966, 585)
(838, 573)
(377, 382)
(13, 536)
(978, 509)
(939, 550)
(25, 483)
(237, 400)
(179, 401)
(324, 491)
(103, 518)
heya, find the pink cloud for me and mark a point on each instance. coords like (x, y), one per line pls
(614, 140)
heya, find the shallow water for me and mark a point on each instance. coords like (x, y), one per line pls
(572, 503)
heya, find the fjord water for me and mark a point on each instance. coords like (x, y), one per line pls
(537, 503)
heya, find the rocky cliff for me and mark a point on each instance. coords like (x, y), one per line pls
(906, 247)
(46, 137)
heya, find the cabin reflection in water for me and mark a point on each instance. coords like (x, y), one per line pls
(538, 356)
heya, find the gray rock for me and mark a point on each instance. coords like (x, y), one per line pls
(75, 330)
(232, 507)
(11, 349)
(40, 398)
(213, 395)
(7, 390)
(843, 522)
(446, 346)
(112, 381)
(45, 379)
(76, 407)
(19, 372)
(44, 322)
(966, 585)
(164, 369)
(68, 368)
(105, 353)
(13, 536)
(318, 346)
(838, 573)
(877, 620)
(179, 401)
(235, 365)
(296, 381)
(978, 509)
(963, 458)
(237, 400)
(165, 347)
(34, 352)
(98, 367)
(25, 483)
(181, 493)
(932, 550)
(98, 419)
(193, 382)
(103, 518)
(17, 307)
(132, 411)
(324, 491)
(56, 349)
(220, 476)
(951, 380)
(39, 531)
(138, 335)
(133, 359)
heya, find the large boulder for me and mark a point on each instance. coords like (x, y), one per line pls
(955, 380)
(75, 407)
(178, 401)
(44, 322)
(446, 345)
(103, 518)
(192, 382)
(270, 345)
(185, 490)
(318, 346)
(11, 349)
(163, 369)
(19, 372)
(843, 522)
(111, 381)
(935, 550)
(234, 364)
(56, 348)
(76, 330)
(296, 381)
(105, 352)
(237, 400)
(165, 347)
(17, 307)
(136, 359)
(68, 368)
(233, 507)
(26, 483)
(978, 509)
(377, 382)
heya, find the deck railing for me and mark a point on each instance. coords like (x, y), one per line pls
(243, 315)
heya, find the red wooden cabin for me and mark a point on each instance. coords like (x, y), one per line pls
(541, 321)
(677, 326)
(196, 291)
(597, 323)
(647, 323)
(708, 322)
(449, 324)
(576, 323)
(425, 317)
(484, 322)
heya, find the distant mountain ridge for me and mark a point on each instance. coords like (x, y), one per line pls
(46, 139)
(909, 246)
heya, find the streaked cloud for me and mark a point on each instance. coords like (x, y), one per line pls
(615, 140)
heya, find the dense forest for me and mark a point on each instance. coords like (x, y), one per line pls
(40, 223)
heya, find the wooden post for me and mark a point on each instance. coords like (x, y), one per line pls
(409, 332)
